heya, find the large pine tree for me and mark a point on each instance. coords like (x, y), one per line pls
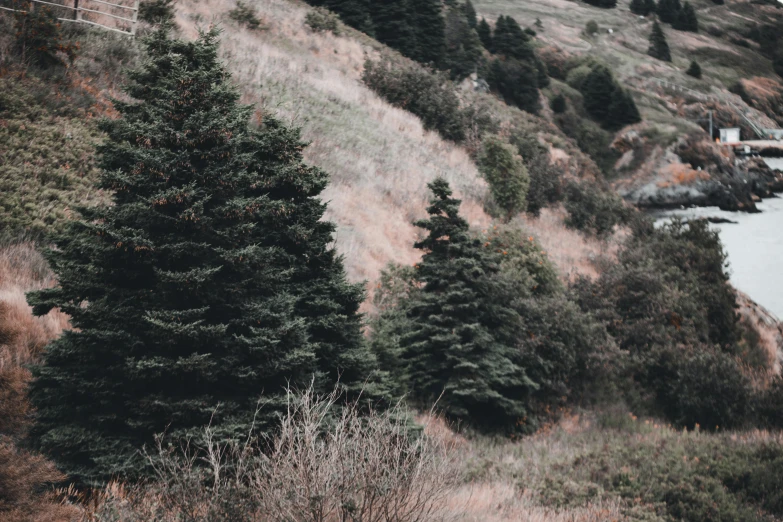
(207, 285)
(429, 27)
(598, 90)
(669, 10)
(355, 13)
(393, 21)
(485, 34)
(659, 48)
(462, 341)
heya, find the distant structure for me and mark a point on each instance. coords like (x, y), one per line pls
(730, 136)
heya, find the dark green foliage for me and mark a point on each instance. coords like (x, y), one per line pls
(517, 82)
(769, 404)
(668, 302)
(38, 38)
(485, 34)
(699, 385)
(322, 20)
(606, 4)
(355, 13)
(669, 10)
(429, 28)
(591, 28)
(593, 210)
(207, 285)
(157, 12)
(539, 23)
(546, 184)
(464, 50)
(659, 47)
(777, 61)
(686, 19)
(462, 342)
(558, 104)
(511, 41)
(245, 15)
(694, 70)
(393, 25)
(643, 7)
(622, 110)
(426, 94)
(507, 177)
(606, 102)
(470, 14)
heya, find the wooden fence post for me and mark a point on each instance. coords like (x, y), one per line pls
(135, 17)
(77, 15)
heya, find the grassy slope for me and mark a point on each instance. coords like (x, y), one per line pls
(723, 62)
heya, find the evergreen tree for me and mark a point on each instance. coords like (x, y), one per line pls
(510, 40)
(659, 48)
(669, 10)
(355, 13)
(392, 20)
(207, 284)
(485, 34)
(777, 61)
(642, 7)
(598, 90)
(462, 340)
(463, 46)
(694, 70)
(470, 14)
(507, 177)
(622, 110)
(429, 27)
(686, 19)
(517, 82)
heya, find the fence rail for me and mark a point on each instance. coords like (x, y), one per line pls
(79, 11)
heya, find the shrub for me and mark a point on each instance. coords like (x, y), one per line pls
(606, 4)
(593, 210)
(326, 462)
(38, 37)
(546, 180)
(694, 70)
(507, 176)
(245, 15)
(700, 386)
(517, 81)
(427, 94)
(157, 12)
(322, 20)
(558, 104)
(591, 28)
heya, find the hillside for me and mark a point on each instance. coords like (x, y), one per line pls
(626, 379)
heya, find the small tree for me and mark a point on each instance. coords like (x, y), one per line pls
(686, 19)
(598, 90)
(659, 48)
(470, 14)
(38, 37)
(558, 104)
(622, 110)
(485, 34)
(669, 10)
(507, 176)
(694, 70)
(462, 343)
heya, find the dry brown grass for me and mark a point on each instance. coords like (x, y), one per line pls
(380, 158)
(22, 337)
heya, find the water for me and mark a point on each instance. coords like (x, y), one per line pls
(754, 246)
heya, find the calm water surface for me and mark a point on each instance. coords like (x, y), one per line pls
(754, 246)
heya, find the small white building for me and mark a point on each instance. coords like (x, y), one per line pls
(730, 135)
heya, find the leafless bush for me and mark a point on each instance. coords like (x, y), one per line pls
(327, 462)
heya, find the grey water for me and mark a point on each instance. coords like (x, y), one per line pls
(754, 245)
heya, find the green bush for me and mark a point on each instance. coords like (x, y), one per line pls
(157, 12)
(591, 28)
(593, 210)
(427, 94)
(546, 180)
(38, 37)
(694, 70)
(507, 177)
(322, 20)
(558, 104)
(245, 15)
